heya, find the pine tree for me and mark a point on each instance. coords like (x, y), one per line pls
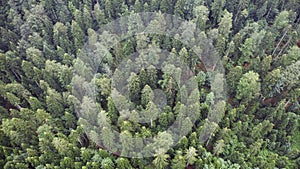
(179, 8)
(233, 78)
(88, 20)
(36, 56)
(107, 163)
(152, 76)
(217, 9)
(54, 102)
(191, 156)
(79, 19)
(19, 131)
(225, 25)
(201, 14)
(151, 113)
(165, 7)
(78, 35)
(108, 9)
(134, 88)
(178, 161)
(161, 159)
(99, 14)
(163, 120)
(147, 96)
(248, 87)
(247, 51)
(127, 144)
(138, 6)
(218, 147)
(108, 137)
(123, 163)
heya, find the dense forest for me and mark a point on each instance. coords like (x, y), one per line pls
(212, 84)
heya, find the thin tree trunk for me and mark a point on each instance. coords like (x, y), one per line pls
(285, 45)
(188, 161)
(298, 20)
(228, 50)
(18, 107)
(17, 76)
(237, 14)
(280, 42)
(209, 139)
(268, 13)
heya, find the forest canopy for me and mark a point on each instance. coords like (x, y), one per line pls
(149, 84)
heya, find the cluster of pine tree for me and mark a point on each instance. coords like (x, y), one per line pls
(41, 44)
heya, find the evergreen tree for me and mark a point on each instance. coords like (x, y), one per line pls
(201, 14)
(147, 96)
(217, 9)
(191, 156)
(107, 163)
(161, 160)
(78, 35)
(53, 118)
(123, 163)
(179, 161)
(108, 138)
(248, 87)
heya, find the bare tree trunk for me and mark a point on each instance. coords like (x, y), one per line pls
(268, 13)
(209, 139)
(18, 107)
(298, 20)
(285, 45)
(237, 14)
(228, 50)
(280, 42)
(17, 76)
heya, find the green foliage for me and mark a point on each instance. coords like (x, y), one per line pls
(190, 156)
(161, 160)
(123, 163)
(248, 87)
(41, 46)
(178, 161)
(107, 163)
